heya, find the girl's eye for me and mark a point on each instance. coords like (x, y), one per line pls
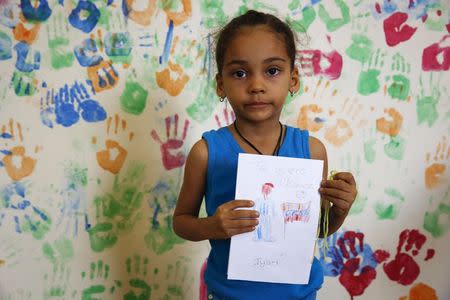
(239, 74)
(273, 71)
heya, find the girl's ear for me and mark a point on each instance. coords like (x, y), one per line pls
(219, 86)
(295, 80)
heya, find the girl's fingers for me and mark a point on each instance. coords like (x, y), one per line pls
(235, 231)
(242, 223)
(336, 193)
(340, 204)
(337, 184)
(243, 214)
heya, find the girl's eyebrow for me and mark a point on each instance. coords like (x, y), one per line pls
(244, 62)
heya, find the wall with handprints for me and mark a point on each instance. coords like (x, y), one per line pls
(101, 100)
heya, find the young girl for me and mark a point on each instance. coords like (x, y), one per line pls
(255, 56)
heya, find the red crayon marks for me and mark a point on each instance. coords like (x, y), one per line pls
(403, 268)
(354, 284)
(436, 57)
(395, 30)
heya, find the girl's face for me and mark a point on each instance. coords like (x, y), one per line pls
(256, 75)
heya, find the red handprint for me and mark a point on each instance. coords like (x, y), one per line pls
(430, 56)
(171, 159)
(394, 32)
(356, 284)
(403, 268)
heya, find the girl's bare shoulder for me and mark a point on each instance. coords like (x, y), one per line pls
(317, 148)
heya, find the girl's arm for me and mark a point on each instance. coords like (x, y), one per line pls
(341, 191)
(225, 222)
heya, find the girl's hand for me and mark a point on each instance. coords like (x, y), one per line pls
(229, 221)
(341, 191)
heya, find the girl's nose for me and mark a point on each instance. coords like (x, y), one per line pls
(257, 85)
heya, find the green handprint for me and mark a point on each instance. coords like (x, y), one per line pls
(204, 106)
(118, 211)
(360, 49)
(390, 208)
(212, 13)
(348, 162)
(178, 284)
(61, 55)
(302, 24)
(395, 148)
(399, 88)
(59, 254)
(334, 24)
(23, 83)
(428, 99)
(437, 222)
(134, 97)
(368, 82)
(57, 285)
(98, 275)
(137, 267)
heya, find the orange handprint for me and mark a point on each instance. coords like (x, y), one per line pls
(16, 163)
(435, 172)
(113, 157)
(339, 133)
(305, 119)
(393, 127)
(166, 82)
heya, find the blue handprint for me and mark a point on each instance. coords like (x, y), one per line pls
(65, 106)
(35, 14)
(86, 54)
(77, 17)
(330, 268)
(22, 65)
(26, 216)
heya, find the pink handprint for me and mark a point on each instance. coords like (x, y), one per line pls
(228, 115)
(403, 268)
(172, 156)
(430, 56)
(316, 62)
(394, 32)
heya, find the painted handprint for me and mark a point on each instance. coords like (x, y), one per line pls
(228, 117)
(117, 211)
(98, 280)
(61, 55)
(171, 149)
(179, 284)
(16, 162)
(431, 93)
(27, 218)
(172, 86)
(65, 105)
(436, 57)
(421, 291)
(395, 29)
(72, 208)
(399, 88)
(368, 82)
(403, 268)
(134, 97)
(388, 207)
(137, 268)
(437, 165)
(114, 155)
(334, 24)
(316, 62)
(352, 260)
(391, 126)
(162, 200)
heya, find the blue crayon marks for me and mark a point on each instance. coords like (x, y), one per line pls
(164, 58)
(79, 21)
(65, 105)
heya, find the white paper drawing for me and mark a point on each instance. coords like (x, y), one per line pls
(285, 192)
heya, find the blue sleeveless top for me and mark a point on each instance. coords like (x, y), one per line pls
(223, 152)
